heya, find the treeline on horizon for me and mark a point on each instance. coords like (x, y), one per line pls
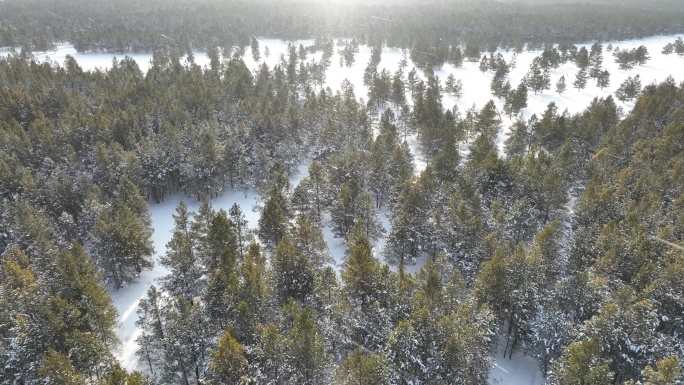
(146, 26)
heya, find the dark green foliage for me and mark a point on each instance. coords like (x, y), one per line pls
(629, 89)
(567, 244)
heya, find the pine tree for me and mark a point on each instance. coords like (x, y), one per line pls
(453, 86)
(603, 79)
(450, 83)
(629, 89)
(292, 274)
(596, 57)
(270, 362)
(181, 259)
(641, 55)
(277, 187)
(582, 364)
(456, 57)
(457, 90)
(241, 228)
(254, 289)
(123, 246)
(488, 122)
(118, 376)
(402, 344)
(484, 64)
(78, 281)
(272, 223)
(668, 372)
(580, 80)
(560, 85)
(228, 363)
(57, 369)
(152, 315)
(353, 206)
(538, 78)
(306, 351)
(360, 274)
(466, 352)
(679, 46)
(307, 238)
(220, 245)
(398, 90)
(360, 369)
(254, 45)
(320, 187)
(582, 59)
(517, 100)
(20, 297)
(186, 344)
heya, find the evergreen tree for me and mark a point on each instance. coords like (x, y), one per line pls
(668, 372)
(78, 281)
(181, 260)
(292, 274)
(271, 365)
(561, 85)
(516, 100)
(538, 78)
(582, 364)
(151, 321)
(122, 244)
(596, 58)
(466, 353)
(580, 80)
(398, 90)
(240, 226)
(488, 122)
(679, 46)
(360, 369)
(361, 272)
(641, 55)
(484, 64)
(228, 364)
(320, 187)
(186, 346)
(277, 186)
(403, 348)
(306, 351)
(450, 84)
(629, 89)
(353, 206)
(57, 369)
(307, 238)
(272, 223)
(582, 59)
(603, 79)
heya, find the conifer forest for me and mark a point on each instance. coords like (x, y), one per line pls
(404, 192)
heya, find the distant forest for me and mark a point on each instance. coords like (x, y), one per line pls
(132, 25)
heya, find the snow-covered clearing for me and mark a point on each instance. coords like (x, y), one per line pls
(126, 299)
(476, 92)
(517, 370)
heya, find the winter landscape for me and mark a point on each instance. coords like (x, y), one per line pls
(348, 206)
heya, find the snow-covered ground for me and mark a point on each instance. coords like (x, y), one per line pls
(518, 370)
